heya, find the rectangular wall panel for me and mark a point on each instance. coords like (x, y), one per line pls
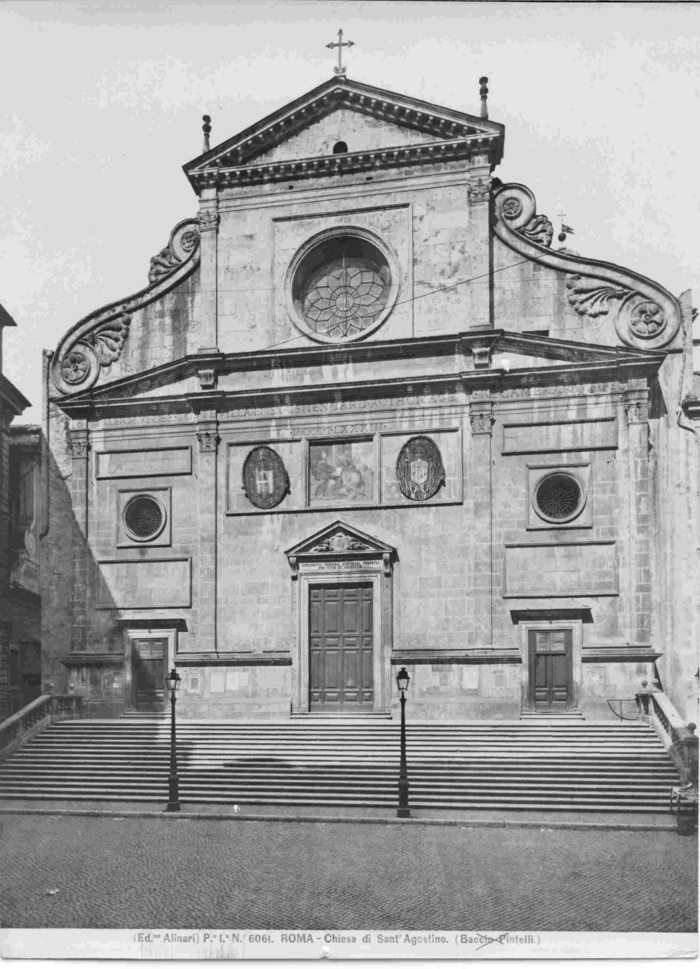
(144, 584)
(560, 436)
(561, 569)
(144, 464)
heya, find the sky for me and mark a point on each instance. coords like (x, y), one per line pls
(102, 105)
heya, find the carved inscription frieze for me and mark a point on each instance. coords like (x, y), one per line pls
(562, 389)
(137, 420)
(345, 566)
(343, 406)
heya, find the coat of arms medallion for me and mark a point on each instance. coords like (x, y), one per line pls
(265, 478)
(419, 469)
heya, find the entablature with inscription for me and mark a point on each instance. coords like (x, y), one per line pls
(284, 386)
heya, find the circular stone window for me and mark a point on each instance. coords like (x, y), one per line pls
(144, 518)
(559, 497)
(342, 287)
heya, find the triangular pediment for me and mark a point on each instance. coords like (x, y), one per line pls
(377, 119)
(338, 540)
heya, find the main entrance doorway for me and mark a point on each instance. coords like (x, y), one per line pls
(149, 658)
(550, 670)
(341, 648)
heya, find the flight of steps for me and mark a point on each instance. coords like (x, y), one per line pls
(583, 766)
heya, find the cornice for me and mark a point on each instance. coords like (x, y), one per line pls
(221, 176)
(585, 363)
(444, 124)
(645, 315)
(11, 398)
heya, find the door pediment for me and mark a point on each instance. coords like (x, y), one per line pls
(340, 541)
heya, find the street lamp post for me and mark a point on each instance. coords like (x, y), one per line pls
(173, 682)
(404, 811)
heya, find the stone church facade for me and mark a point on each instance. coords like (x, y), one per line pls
(364, 416)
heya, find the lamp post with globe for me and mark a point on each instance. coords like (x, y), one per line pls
(404, 811)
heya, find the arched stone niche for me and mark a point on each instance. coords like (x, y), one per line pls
(342, 555)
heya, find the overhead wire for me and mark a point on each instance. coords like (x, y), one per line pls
(411, 299)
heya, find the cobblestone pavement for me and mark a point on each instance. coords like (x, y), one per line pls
(194, 873)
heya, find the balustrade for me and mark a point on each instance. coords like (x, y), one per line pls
(30, 720)
(678, 738)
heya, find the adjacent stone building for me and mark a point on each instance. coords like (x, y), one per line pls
(365, 416)
(20, 524)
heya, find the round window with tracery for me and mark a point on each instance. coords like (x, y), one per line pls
(144, 518)
(559, 497)
(341, 289)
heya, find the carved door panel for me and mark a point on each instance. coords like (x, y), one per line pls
(550, 670)
(340, 647)
(149, 661)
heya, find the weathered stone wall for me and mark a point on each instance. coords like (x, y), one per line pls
(675, 529)
(438, 240)
(56, 557)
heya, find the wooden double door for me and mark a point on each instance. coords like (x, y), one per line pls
(550, 670)
(341, 648)
(149, 668)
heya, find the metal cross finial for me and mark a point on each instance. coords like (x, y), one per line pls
(340, 70)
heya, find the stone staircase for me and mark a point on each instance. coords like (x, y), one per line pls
(545, 765)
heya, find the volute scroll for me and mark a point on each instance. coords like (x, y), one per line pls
(98, 340)
(645, 315)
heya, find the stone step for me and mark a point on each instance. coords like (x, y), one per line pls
(540, 765)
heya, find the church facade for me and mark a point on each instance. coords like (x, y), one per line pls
(365, 416)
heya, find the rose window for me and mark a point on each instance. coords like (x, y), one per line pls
(558, 497)
(144, 518)
(341, 288)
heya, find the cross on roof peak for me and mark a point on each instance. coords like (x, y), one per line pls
(340, 70)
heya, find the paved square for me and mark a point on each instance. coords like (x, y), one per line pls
(200, 873)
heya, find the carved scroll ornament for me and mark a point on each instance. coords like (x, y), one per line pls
(639, 321)
(184, 239)
(342, 542)
(644, 314)
(98, 340)
(516, 206)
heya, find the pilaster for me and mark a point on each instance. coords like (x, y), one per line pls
(481, 552)
(208, 220)
(479, 194)
(207, 477)
(636, 403)
(79, 448)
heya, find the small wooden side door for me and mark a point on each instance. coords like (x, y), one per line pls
(550, 670)
(149, 658)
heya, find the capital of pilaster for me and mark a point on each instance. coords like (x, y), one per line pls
(208, 438)
(481, 417)
(208, 220)
(479, 189)
(78, 444)
(636, 406)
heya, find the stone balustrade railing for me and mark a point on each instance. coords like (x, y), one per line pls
(679, 738)
(35, 717)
